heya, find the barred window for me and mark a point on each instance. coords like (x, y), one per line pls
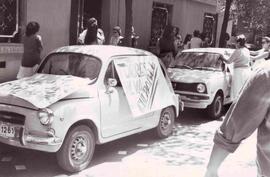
(10, 18)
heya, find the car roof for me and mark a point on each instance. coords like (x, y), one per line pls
(102, 52)
(220, 51)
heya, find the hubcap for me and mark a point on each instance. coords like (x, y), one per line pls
(165, 121)
(78, 148)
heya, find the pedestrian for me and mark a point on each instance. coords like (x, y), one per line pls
(264, 52)
(134, 38)
(196, 41)
(249, 113)
(187, 41)
(33, 46)
(241, 63)
(92, 34)
(167, 47)
(116, 38)
(205, 40)
(178, 42)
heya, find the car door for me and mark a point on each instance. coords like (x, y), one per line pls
(227, 86)
(115, 112)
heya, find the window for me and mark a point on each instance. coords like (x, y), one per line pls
(112, 73)
(72, 64)
(10, 20)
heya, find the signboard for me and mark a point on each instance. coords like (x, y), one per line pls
(144, 85)
(42, 90)
(9, 17)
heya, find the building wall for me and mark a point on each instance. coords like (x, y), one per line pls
(53, 17)
(187, 15)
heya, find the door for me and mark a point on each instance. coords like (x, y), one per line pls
(116, 115)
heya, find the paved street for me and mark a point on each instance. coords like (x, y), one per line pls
(184, 154)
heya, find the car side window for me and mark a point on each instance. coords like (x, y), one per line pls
(112, 73)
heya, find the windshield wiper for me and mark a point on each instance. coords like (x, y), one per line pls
(184, 66)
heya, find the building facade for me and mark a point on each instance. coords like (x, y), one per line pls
(61, 22)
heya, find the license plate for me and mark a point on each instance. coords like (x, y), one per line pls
(7, 131)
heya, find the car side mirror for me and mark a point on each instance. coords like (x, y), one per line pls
(111, 82)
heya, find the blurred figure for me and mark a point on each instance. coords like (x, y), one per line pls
(32, 43)
(248, 114)
(196, 41)
(187, 41)
(205, 40)
(178, 42)
(116, 38)
(258, 57)
(134, 38)
(167, 47)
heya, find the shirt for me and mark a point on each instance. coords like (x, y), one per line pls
(240, 58)
(195, 42)
(250, 112)
(32, 49)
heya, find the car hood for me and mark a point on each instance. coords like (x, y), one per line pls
(191, 75)
(41, 90)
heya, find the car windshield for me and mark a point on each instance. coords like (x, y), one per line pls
(198, 60)
(71, 64)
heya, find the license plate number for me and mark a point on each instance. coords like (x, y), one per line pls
(7, 131)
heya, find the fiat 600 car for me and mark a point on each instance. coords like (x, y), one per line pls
(203, 79)
(81, 96)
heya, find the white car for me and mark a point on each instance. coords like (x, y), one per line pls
(87, 95)
(203, 79)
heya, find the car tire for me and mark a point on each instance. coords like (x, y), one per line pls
(215, 110)
(77, 149)
(166, 123)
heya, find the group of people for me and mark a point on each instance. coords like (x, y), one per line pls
(170, 43)
(92, 35)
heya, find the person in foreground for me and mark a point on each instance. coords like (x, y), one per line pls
(250, 112)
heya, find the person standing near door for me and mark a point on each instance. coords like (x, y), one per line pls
(32, 44)
(92, 34)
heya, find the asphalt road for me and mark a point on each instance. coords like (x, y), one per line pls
(184, 154)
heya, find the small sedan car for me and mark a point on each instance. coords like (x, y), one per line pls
(203, 79)
(81, 96)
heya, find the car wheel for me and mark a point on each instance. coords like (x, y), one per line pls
(166, 123)
(77, 150)
(216, 108)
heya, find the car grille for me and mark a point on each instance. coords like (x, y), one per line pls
(11, 117)
(189, 87)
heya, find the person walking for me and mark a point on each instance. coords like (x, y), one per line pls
(166, 46)
(33, 46)
(249, 113)
(196, 41)
(241, 63)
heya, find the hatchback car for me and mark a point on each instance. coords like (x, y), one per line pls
(81, 96)
(203, 79)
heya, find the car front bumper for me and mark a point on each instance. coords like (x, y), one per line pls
(42, 141)
(195, 101)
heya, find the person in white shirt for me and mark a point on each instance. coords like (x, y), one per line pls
(196, 41)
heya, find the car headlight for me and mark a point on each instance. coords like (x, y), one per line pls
(201, 88)
(45, 116)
